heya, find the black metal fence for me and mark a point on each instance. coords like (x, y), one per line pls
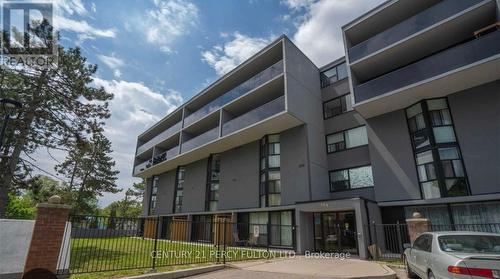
(99, 243)
(388, 241)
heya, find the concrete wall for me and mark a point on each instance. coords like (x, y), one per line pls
(195, 186)
(476, 115)
(393, 165)
(239, 177)
(165, 195)
(15, 238)
(304, 101)
(294, 173)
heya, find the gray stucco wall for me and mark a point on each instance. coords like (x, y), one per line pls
(165, 195)
(239, 177)
(304, 101)
(393, 165)
(476, 115)
(195, 186)
(294, 176)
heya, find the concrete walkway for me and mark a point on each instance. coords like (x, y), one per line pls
(301, 267)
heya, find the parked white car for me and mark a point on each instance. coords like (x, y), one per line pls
(437, 255)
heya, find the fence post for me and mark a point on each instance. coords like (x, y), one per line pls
(268, 225)
(417, 225)
(224, 239)
(375, 247)
(400, 241)
(218, 240)
(48, 236)
(153, 268)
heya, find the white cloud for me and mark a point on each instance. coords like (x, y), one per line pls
(93, 7)
(319, 34)
(226, 57)
(113, 62)
(297, 4)
(169, 20)
(68, 10)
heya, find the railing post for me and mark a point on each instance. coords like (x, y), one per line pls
(268, 225)
(224, 239)
(153, 268)
(400, 242)
(375, 242)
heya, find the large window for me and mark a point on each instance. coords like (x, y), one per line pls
(352, 178)
(179, 189)
(333, 74)
(346, 139)
(270, 176)
(337, 106)
(441, 172)
(212, 198)
(281, 228)
(152, 196)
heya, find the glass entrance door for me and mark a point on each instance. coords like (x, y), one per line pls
(335, 232)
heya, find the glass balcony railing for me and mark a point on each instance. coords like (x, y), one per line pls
(267, 110)
(160, 137)
(439, 63)
(412, 25)
(166, 155)
(200, 139)
(236, 92)
(142, 167)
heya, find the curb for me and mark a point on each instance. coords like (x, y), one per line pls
(179, 273)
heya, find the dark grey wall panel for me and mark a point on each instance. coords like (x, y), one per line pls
(165, 196)
(145, 197)
(355, 157)
(367, 193)
(294, 174)
(476, 115)
(393, 165)
(336, 89)
(195, 186)
(239, 177)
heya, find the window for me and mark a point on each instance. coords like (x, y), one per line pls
(337, 106)
(281, 228)
(333, 74)
(353, 178)
(152, 197)
(437, 155)
(423, 243)
(346, 139)
(212, 198)
(270, 176)
(181, 173)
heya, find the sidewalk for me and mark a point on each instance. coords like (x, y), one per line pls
(328, 268)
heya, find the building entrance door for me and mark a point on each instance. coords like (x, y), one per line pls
(335, 232)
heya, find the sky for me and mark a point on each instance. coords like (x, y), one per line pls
(153, 55)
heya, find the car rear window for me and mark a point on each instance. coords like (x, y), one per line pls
(470, 243)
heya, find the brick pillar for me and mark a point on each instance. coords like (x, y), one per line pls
(48, 234)
(417, 225)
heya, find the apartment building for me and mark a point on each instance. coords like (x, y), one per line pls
(408, 121)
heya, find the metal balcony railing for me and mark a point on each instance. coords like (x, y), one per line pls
(252, 83)
(267, 110)
(439, 63)
(410, 26)
(160, 137)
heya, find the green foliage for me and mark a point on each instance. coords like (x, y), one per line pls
(130, 206)
(21, 207)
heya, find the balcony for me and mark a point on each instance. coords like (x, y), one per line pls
(253, 116)
(254, 82)
(160, 137)
(432, 66)
(410, 26)
(142, 167)
(174, 151)
(200, 139)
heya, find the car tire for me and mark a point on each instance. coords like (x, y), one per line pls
(431, 275)
(409, 272)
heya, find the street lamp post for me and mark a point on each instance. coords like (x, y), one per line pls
(9, 107)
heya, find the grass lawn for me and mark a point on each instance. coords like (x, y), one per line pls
(119, 253)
